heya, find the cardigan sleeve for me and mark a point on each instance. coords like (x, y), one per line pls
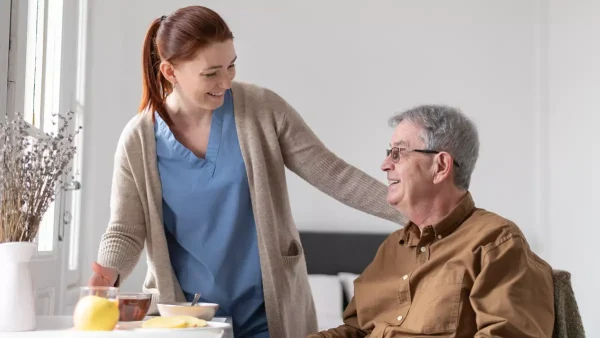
(307, 156)
(122, 243)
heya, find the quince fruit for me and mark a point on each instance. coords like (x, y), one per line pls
(192, 321)
(164, 323)
(93, 313)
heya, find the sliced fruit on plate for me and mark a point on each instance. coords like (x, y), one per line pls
(164, 323)
(191, 321)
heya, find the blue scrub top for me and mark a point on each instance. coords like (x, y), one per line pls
(209, 222)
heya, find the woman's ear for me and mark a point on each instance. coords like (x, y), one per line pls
(168, 71)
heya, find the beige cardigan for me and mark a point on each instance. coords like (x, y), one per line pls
(272, 136)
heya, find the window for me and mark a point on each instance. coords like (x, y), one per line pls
(43, 56)
(44, 65)
(5, 13)
(42, 83)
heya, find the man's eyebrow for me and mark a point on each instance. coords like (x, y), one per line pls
(400, 143)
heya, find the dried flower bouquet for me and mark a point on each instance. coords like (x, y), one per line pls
(32, 168)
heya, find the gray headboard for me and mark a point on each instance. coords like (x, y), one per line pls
(332, 252)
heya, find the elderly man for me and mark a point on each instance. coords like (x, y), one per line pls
(454, 270)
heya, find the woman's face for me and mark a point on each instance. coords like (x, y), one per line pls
(202, 81)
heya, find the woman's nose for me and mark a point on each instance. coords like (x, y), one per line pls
(225, 81)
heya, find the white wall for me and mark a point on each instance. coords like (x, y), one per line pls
(572, 165)
(347, 73)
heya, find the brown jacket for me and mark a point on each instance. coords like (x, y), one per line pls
(470, 275)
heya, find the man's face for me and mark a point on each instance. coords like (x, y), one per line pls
(409, 173)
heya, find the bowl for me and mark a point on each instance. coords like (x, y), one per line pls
(204, 311)
(134, 307)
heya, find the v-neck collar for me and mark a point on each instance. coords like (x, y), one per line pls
(214, 139)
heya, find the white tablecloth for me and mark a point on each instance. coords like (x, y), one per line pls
(60, 326)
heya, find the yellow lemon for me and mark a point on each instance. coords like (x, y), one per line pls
(164, 323)
(93, 313)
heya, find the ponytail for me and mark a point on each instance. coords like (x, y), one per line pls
(155, 87)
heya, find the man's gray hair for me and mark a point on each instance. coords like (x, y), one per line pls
(446, 129)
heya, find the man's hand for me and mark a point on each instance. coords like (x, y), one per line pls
(103, 276)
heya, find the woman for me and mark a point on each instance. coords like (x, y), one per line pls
(200, 179)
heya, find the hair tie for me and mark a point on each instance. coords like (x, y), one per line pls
(162, 18)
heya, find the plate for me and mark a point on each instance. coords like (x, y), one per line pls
(129, 325)
(211, 326)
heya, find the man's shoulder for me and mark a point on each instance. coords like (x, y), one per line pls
(493, 231)
(395, 237)
(487, 224)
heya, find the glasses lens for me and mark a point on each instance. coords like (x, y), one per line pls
(395, 154)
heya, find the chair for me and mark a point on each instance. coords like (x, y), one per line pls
(567, 323)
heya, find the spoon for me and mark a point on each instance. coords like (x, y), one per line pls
(196, 299)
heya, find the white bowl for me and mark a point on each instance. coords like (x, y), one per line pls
(204, 311)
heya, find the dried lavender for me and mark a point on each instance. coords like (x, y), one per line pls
(31, 172)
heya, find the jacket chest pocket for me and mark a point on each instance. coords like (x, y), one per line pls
(436, 304)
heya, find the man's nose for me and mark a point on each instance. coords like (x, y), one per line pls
(387, 164)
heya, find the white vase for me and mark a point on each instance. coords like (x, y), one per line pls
(17, 309)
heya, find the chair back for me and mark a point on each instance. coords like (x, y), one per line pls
(567, 323)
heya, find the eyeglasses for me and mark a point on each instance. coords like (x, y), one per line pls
(397, 152)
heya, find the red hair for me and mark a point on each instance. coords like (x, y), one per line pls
(176, 37)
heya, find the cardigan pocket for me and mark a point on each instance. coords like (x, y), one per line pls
(292, 270)
(294, 253)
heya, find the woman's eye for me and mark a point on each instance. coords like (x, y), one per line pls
(215, 73)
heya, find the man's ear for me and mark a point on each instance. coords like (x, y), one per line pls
(168, 71)
(443, 167)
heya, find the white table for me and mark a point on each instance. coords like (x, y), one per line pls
(60, 326)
